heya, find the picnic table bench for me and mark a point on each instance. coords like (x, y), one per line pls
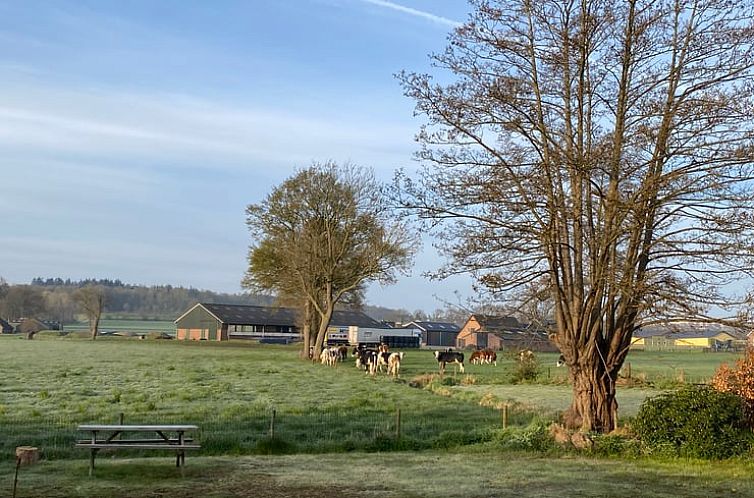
(170, 437)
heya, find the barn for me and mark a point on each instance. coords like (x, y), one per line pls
(5, 327)
(502, 332)
(688, 338)
(220, 322)
(435, 334)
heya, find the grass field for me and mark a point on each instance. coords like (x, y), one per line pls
(53, 383)
(386, 475)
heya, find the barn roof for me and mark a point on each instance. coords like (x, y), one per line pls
(492, 322)
(240, 314)
(688, 332)
(428, 326)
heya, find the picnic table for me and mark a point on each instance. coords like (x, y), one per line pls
(170, 437)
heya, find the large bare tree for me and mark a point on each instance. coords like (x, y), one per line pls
(319, 237)
(605, 148)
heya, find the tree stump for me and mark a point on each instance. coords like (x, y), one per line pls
(27, 455)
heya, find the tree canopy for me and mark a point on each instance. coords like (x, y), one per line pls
(604, 149)
(320, 237)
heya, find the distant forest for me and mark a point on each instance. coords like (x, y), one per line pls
(52, 299)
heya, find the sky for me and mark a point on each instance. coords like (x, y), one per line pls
(133, 134)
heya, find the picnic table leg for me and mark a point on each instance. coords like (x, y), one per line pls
(91, 461)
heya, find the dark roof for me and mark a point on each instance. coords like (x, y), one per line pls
(522, 335)
(30, 325)
(433, 326)
(239, 314)
(492, 322)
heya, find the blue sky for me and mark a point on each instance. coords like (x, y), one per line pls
(134, 133)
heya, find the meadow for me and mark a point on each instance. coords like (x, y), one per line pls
(338, 415)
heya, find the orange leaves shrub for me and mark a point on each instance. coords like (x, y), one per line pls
(738, 380)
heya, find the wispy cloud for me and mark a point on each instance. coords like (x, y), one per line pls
(414, 12)
(181, 129)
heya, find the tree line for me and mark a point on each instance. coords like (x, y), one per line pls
(53, 299)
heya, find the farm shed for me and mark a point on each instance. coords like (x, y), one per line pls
(31, 326)
(5, 327)
(687, 338)
(502, 332)
(435, 333)
(220, 322)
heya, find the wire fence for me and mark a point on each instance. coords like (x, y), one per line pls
(271, 430)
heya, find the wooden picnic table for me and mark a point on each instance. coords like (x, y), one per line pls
(169, 437)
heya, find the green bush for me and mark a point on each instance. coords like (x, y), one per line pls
(694, 422)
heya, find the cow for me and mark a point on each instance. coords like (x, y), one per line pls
(525, 355)
(342, 352)
(476, 357)
(561, 361)
(368, 359)
(362, 355)
(394, 364)
(382, 358)
(329, 356)
(489, 356)
(483, 356)
(444, 357)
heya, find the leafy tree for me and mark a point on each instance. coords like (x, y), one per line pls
(603, 148)
(91, 299)
(319, 237)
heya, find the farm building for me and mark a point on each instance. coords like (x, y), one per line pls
(502, 332)
(435, 333)
(680, 338)
(220, 322)
(5, 327)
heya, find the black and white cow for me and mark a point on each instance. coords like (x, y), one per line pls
(561, 361)
(444, 357)
(366, 359)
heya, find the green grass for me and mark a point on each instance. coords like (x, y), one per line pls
(425, 474)
(336, 424)
(229, 390)
(52, 384)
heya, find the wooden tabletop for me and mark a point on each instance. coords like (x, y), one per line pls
(138, 428)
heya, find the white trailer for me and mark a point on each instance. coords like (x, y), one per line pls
(365, 336)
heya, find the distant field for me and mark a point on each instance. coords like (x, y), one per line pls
(126, 326)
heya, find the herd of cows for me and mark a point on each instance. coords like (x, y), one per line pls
(375, 360)
(381, 359)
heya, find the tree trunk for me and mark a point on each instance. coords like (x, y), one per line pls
(594, 407)
(94, 327)
(306, 331)
(322, 329)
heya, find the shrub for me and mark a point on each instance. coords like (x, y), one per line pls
(738, 381)
(693, 422)
(535, 437)
(526, 369)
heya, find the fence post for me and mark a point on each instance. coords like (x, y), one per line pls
(629, 369)
(504, 415)
(272, 425)
(120, 422)
(398, 423)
